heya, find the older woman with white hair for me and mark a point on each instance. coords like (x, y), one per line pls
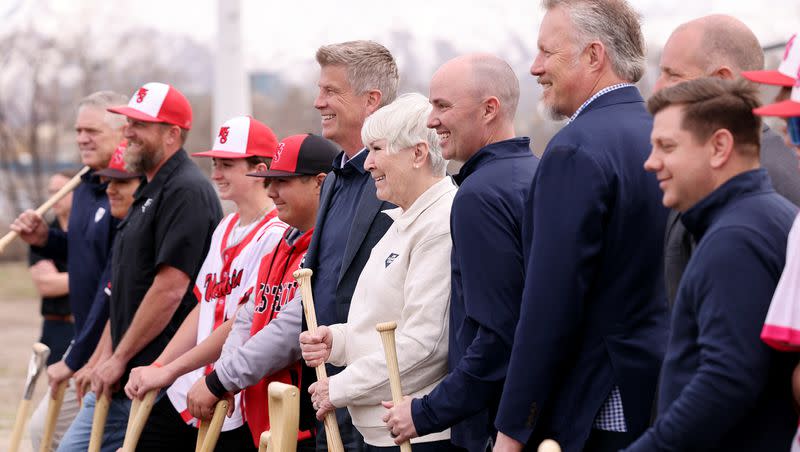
(406, 279)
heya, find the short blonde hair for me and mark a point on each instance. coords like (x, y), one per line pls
(369, 66)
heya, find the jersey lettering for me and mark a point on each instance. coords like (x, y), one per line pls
(217, 288)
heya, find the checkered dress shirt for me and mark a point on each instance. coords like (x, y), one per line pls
(605, 90)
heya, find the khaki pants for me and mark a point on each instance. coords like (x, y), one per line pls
(69, 409)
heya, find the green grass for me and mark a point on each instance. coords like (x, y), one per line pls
(15, 281)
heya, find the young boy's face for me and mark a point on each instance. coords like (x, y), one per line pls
(297, 199)
(120, 195)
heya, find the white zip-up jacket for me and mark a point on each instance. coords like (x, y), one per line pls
(407, 280)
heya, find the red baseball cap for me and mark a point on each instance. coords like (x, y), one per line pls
(158, 102)
(785, 109)
(242, 137)
(788, 71)
(116, 167)
(299, 155)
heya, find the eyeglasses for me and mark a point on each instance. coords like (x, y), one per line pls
(793, 127)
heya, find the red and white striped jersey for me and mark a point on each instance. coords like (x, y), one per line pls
(230, 266)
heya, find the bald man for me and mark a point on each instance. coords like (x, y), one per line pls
(718, 46)
(474, 100)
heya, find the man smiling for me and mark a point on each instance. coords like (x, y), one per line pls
(721, 388)
(86, 247)
(592, 322)
(356, 78)
(159, 250)
(474, 100)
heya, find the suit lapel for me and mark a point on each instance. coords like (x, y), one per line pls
(324, 204)
(368, 207)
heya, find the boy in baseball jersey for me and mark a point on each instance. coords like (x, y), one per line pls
(259, 349)
(239, 242)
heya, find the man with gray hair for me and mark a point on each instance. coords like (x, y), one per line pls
(356, 78)
(474, 101)
(86, 245)
(718, 46)
(592, 325)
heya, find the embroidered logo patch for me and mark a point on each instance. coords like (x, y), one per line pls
(99, 214)
(278, 153)
(223, 134)
(147, 204)
(390, 259)
(140, 95)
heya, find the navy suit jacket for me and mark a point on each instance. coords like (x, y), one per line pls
(369, 226)
(593, 312)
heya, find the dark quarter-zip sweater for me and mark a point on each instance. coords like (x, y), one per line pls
(722, 388)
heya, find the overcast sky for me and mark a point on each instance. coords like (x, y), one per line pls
(281, 32)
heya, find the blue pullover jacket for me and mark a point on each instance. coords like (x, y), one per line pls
(87, 248)
(487, 281)
(721, 387)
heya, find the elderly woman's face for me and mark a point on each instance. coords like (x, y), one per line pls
(391, 171)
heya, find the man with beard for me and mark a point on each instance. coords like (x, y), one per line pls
(160, 249)
(592, 324)
(86, 246)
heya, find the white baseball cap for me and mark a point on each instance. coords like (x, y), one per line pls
(788, 71)
(242, 137)
(158, 102)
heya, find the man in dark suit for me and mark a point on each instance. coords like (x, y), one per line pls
(356, 78)
(592, 328)
(718, 46)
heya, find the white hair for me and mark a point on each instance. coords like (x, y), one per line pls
(403, 124)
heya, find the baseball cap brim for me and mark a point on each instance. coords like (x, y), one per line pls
(133, 113)
(783, 109)
(769, 78)
(116, 174)
(273, 173)
(222, 154)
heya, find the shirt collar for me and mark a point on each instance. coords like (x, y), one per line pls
(403, 219)
(605, 90)
(93, 181)
(500, 149)
(355, 165)
(700, 216)
(163, 174)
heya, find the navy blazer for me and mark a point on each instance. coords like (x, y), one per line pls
(369, 226)
(593, 312)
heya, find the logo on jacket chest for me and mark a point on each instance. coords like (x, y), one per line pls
(98, 215)
(217, 288)
(281, 294)
(390, 259)
(147, 204)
